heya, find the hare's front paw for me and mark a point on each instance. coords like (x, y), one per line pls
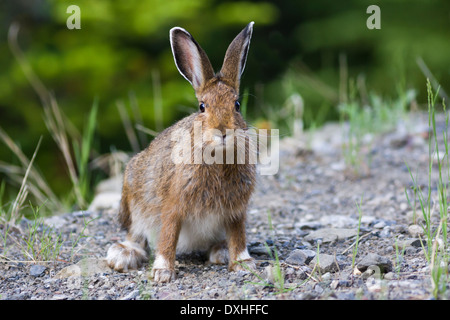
(163, 275)
(242, 262)
(163, 269)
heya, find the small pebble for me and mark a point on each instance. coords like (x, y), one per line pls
(297, 257)
(37, 270)
(415, 230)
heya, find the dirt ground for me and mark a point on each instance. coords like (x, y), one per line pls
(303, 222)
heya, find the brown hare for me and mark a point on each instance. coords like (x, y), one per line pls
(176, 207)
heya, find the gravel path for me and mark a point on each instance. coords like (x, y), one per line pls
(312, 204)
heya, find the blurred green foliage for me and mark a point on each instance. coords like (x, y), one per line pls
(122, 53)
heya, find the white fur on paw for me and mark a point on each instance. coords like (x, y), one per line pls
(125, 256)
(161, 272)
(244, 265)
(244, 255)
(244, 262)
(163, 275)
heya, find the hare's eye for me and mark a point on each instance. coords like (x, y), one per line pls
(237, 106)
(202, 107)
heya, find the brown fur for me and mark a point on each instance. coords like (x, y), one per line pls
(154, 186)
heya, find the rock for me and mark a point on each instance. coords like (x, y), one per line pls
(339, 221)
(415, 216)
(327, 138)
(55, 222)
(105, 200)
(74, 282)
(404, 206)
(260, 249)
(297, 258)
(367, 220)
(107, 194)
(91, 266)
(113, 184)
(334, 284)
(373, 259)
(385, 232)
(345, 283)
(271, 275)
(371, 271)
(390, 276)
(416, 243)
(415, 230)
(374, 284)
(338, 166)
(331, 234)
(37, 270)
(85, 268)
(380, 225)
(70, 271)
(310, 254)
(131, 296)
(308, 225)
(82, 213)
(326, 277)
(318, 288)
(342, 295)
(325, 263)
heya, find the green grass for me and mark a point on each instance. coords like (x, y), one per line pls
(355, 248)
(43, 243)
(275, 277)
(399, 254)
(276, 272)
(82, 150)
(40, 242)
(362, 117)
(436, 249)
(75, 148)
(78, 152)
(12, 214)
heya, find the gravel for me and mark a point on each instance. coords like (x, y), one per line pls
(37, 270)
(312, 205)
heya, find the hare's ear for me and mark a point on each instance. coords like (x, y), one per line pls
(236, 56)
(190, 59)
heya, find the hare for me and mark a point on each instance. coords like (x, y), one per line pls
(181, 207)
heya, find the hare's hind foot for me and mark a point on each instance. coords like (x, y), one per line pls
(218, 253)
(126, 256)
